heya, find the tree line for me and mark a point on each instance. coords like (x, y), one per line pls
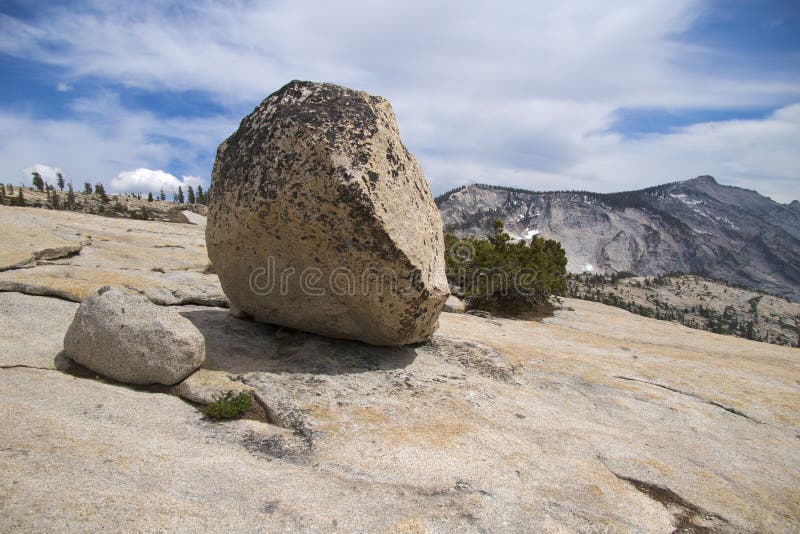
(57, 198)
(750, 323)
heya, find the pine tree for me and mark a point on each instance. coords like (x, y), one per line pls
(180, 195)
(60, 181)
(87, 188)
(36, 180)
(10, 190)
(56, 201)
(149, 197)
(101, 192)
(70, 197)
(201, 197)
(20, 197)
(504, 276)
(162, 197)
(190, 194)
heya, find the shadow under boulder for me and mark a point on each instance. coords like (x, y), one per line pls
(244, 346)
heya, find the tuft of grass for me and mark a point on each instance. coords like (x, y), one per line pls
(210, 269)
(228, 406)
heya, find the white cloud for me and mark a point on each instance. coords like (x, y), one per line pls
(760, 154)
(63, 87)
(146, 180)
(756, 154)
(48, 173)
(579, 51)
(104, 139)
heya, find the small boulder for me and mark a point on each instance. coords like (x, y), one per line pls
(454, 304)
(131, 340)
(321, 220)
(205, 386)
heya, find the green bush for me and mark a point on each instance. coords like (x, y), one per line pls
(228, 406)
(504, 276)
(140, 215)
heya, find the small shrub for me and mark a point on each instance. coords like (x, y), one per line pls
(158, 270)
(210, 269)
(140, 215)
(514, 279)
(228, 406)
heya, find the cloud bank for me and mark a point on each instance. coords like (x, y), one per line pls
(151, 181)
(526, 94)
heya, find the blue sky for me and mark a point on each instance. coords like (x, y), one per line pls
(544, 94)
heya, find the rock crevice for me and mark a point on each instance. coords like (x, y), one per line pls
(695, 396)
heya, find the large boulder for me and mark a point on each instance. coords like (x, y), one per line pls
(321, 220)
(130, 339)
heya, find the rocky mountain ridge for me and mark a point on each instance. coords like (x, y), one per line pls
(695, 226)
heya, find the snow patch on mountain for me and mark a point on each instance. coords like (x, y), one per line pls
(530, 233)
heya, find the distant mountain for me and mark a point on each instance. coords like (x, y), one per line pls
(695, 226)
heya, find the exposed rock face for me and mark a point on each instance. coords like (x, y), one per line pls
(72, 255)
(594, 420)
(129, 339)
(321, 220)
(194, 218)
(695, 226)
(33, 330)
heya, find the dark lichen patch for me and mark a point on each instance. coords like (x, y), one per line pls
(481, 359)
(270, 507)
(688, 517)
(460, 487)
(284, 446)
